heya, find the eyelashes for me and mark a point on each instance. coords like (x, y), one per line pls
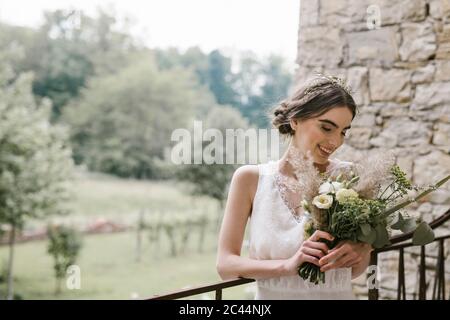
(328, 130)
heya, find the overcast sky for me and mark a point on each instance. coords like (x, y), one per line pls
(263, 26)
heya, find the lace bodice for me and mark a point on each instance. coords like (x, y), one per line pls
(290, 189)
(276, 232)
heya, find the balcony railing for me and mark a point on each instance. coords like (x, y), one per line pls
(398, 243)
(439, 277)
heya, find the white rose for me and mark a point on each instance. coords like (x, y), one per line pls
(323, 201)
(328, 187)
(344, 194)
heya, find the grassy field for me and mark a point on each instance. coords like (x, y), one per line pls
(109, 270)
(98, 195)
(108, 262)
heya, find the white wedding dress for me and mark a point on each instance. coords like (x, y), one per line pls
(276, 233)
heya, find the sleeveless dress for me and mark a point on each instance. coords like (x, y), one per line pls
(275, 233)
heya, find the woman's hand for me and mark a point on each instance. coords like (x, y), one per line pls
(311, 251)
(346, 254)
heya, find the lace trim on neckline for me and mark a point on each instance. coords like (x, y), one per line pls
(284, 185)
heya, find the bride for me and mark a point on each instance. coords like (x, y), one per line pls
(316, 119)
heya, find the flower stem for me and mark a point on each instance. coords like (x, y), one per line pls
(423, 194)
(386, 189)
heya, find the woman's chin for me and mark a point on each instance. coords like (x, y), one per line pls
(319, 157)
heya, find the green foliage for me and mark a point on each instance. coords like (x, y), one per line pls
(405, 225)
(193, 58)
(68, 49)
(35, 162)
(213, 179)
(120, 103)
(423, 234)
(122, 123)
(64, 246)
(261, 84)
(220, 78)
(400, 178)
(255, 87)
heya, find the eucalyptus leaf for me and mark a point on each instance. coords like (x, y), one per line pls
(409, 225)
(370, 238)
(423, 234)
(405, 225)
(382, 237)
(398, 225)
(365, 229)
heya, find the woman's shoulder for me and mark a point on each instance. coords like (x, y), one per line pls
(247, 173)
(245, 179)
(253, 172)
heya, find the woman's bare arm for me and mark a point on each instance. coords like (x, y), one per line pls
(230, 264)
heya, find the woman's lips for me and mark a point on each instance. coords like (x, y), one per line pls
(325, 151)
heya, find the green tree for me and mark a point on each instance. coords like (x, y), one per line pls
(64, 246)
(68, 49)
(35, 162)
(122, 123)
(213, 179)
(193, 58)
(261, 84)
(220, 78)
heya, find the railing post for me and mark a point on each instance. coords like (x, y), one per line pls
(373, 292)
(401, 289)
(219, 294)
(442, 268)
(439, 278)
(422, 280)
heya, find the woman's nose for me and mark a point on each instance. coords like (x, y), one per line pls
(336, 141)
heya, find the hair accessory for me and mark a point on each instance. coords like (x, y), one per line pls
(321, 79)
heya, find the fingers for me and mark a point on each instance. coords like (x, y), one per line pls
(313, 252)
(343, 256)
(316, 245)
(339, 245)
(317, 235)
(333, 255)
(311, 259)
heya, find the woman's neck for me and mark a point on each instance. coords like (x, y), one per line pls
(322, 167)
(285, 167)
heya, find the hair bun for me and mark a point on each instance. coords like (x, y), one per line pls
(281, 121)
(281, 109)
(278, 112)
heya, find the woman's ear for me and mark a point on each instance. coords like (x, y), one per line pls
(293, 123)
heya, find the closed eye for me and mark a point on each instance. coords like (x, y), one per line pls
(328, 130)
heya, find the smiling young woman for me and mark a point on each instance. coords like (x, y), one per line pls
(316, 119)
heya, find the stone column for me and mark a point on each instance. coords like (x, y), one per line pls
(396, 57)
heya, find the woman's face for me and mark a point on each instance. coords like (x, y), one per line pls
(322, 135)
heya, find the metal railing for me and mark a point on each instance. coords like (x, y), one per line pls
(373, 294)
(439, 277)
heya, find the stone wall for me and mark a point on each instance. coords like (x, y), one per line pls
(399, 68)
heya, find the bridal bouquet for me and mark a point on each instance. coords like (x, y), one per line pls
(351, 206)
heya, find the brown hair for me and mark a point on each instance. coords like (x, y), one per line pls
(314, 99)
